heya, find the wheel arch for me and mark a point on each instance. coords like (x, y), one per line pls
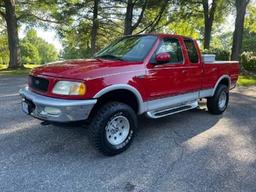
(225, 80)
(123, 88)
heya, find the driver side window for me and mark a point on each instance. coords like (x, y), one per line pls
(171, 46)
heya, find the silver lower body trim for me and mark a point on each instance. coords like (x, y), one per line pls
(206, 93)
(172, 101)
(57, 110)
(178, 100)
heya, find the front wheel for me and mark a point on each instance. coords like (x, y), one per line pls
(112, 128)
(219, 102)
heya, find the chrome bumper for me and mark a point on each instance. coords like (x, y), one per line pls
(57, 110)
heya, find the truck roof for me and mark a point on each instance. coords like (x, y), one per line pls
(162, 35)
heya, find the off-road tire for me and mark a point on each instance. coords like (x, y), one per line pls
(213, 102)
(98, 132)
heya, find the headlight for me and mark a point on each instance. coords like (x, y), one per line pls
(69, 88)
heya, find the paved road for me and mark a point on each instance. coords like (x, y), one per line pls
(192, 151)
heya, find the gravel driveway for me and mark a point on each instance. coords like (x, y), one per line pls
(191, 151)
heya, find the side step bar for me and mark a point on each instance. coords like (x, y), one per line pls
(172, 110)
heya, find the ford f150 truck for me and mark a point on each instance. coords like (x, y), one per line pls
(153, 74)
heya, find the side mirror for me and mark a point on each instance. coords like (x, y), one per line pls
(163, 58)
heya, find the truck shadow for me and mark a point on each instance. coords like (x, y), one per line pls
(184, 125)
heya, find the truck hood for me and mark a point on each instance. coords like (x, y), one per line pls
(84, 69)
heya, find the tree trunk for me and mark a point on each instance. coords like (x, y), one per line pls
(207, 35)
(12, 30)
(208, 21)
(239, 29)
(128, 18)
(95, 25)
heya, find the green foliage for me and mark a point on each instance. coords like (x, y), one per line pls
(4, 51)
(36, 50)
(248, 61)
(76, 34)
(29, 53)
(250, 19)
(249, 41)
(187, 27)
(76, 41)
(221, 55)
(222, 40)
(72, 19)
(47, 52)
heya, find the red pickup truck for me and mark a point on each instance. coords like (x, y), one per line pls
(154, 74)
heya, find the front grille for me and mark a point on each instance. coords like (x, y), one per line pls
(39, 83)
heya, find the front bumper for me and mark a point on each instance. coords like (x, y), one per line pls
(56, 110)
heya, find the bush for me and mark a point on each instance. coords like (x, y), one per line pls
(221, 54)
(248, 61)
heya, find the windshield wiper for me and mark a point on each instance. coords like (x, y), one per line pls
(109, 56)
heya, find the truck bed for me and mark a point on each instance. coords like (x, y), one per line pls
(214, 70)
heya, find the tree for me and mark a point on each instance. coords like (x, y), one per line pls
(95, 25)
(209, 13)
(249, 41)
(129, 16)
(12, 30)
(82, 27)
(149, 17)
(250, 19)
(15, 12)
(30, 54)
(249, 36)
(36, 50)
(239, 28)
(213, 13)
(4, 53)
(47, 53)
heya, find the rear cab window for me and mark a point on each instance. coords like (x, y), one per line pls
(192, 51)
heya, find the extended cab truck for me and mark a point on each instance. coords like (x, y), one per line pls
(156, 75)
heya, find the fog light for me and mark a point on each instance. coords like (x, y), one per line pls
(52, 111)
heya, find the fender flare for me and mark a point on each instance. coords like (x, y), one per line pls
(136, 93)
(220, 79)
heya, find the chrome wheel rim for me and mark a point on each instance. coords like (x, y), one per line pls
(222, 100)
(117, 130)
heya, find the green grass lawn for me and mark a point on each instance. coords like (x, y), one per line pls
(4, 72)
(247, 80)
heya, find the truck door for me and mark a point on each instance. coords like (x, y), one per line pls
(165, 80)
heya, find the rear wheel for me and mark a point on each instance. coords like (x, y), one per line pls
(219, 102)
(112, 128)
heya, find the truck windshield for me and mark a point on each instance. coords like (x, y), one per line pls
(132, 48)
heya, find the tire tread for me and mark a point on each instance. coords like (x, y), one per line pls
(97, 124)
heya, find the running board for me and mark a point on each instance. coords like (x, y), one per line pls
(173, 110)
